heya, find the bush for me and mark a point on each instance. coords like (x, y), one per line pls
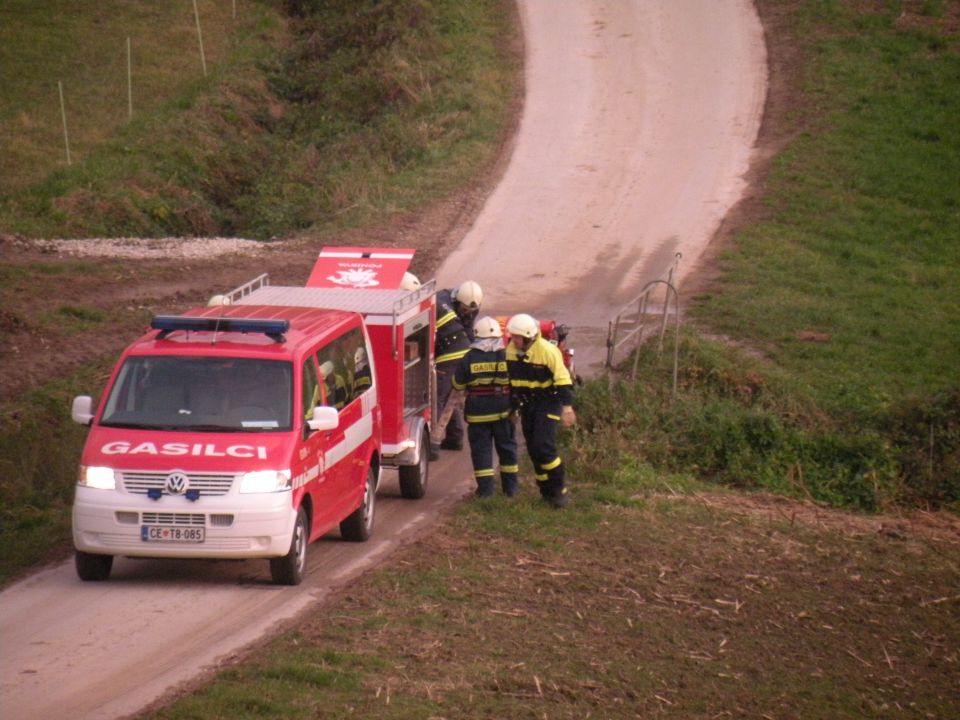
(740, 423)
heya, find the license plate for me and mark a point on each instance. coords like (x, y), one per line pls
(152, 533)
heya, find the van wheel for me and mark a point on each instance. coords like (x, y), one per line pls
(288, 570)
(92, 568)
(413, 478)
(358, 526)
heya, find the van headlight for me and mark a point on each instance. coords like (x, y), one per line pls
(93, 476)
(265, 481)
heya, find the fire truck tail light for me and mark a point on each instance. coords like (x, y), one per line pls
(101, 478)
(265, 481)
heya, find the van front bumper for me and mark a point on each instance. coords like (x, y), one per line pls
(236, 526)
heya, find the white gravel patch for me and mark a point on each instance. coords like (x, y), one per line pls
(149, 248)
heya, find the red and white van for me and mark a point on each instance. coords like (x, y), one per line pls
(250, 429)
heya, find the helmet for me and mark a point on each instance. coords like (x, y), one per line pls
(487, 327)
(359, 356)
(410, 282)
(218, 300)
(326, 369)
(469, 294)
(523, 325)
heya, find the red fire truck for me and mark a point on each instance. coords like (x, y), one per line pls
(249, 428)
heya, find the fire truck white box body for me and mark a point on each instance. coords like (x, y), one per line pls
(251, 429)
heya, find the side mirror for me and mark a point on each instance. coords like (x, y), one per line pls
(324, 418)
(82, 410)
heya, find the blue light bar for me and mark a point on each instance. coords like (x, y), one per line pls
(167, 324)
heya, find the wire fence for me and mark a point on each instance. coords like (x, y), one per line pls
(647, 314)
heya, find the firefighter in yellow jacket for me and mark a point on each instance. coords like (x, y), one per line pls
(541, 386)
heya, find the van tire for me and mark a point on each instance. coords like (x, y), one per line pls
(358, 525)
(91, 567)
(413, 478)
(289, 569)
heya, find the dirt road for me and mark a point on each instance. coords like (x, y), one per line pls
(638, 127)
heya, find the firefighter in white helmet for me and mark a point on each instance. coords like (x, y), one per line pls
(218, 300)
(362, 375)
(482, 376)
(542, 388)
(409, 282)
(456, 310)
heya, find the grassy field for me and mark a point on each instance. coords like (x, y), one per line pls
(836, 373)
(328, 116)
(43, 44)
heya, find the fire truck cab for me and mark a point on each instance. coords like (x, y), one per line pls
(250, 429)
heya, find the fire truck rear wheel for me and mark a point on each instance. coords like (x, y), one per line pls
(358, 526)
(413, 478)
(93, 568)
(288, 570)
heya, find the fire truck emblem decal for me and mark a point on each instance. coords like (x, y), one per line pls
(177, 483)
(355, 277)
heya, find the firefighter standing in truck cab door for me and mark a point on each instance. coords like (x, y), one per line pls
(456, 311)
(541, 385)
(482, 376)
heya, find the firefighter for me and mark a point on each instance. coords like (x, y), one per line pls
(482, 376)
(540, 385)
(409, 282)
(456, 311)
(362, 377)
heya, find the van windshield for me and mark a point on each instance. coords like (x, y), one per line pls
(202, 394)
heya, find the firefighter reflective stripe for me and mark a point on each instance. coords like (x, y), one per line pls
(509, 468)
(445, 318)
(486, 472)
(533, 384)
(553, 417)
(550, 465)
(455, 355)
(493, 417)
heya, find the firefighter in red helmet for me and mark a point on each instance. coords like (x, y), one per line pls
(541, 386)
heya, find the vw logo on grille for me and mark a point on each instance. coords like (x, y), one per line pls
(177, 483)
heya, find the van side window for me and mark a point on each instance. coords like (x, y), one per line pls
(310, 388)
(345, 368)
